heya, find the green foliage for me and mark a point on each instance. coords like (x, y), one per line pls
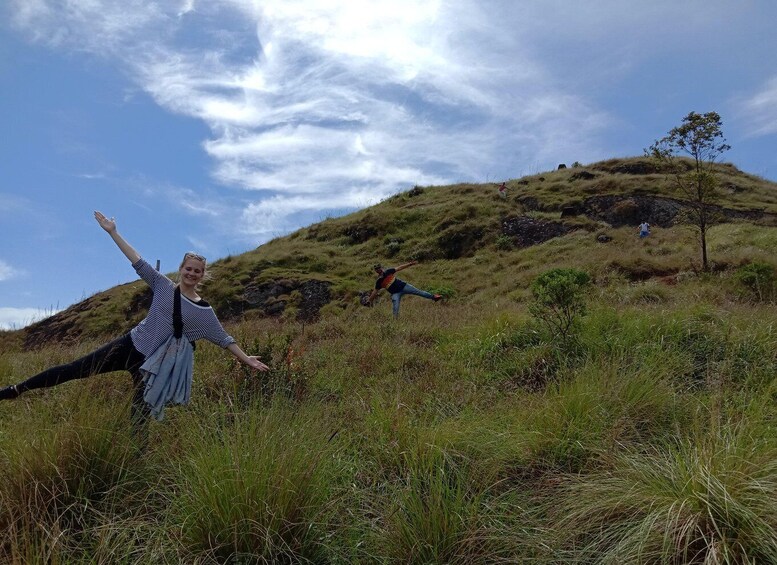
(287, 377)
(504, 242)
(59, 486)
(446, 292)
(759, 279)
(434, 517)
(559, 299)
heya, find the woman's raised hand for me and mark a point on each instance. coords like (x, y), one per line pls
(108, 224)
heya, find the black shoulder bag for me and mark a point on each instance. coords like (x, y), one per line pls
(177, 320)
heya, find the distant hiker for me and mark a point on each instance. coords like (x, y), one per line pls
(502, 190)
(644, 229)
(158, 352)
(388, 280)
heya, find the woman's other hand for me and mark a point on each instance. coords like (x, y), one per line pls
(254, 363)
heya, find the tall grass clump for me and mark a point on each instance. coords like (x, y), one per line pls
(60, 479)
(601, 408)
(705, 498)
(433, 514)
(251, 487)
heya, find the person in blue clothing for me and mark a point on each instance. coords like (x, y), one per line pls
(396, 287)
(130, 351)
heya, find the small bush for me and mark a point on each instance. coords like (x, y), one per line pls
(445, 291)
(504, 243)
(759, 280)
(559, 299)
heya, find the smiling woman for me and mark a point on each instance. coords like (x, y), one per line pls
(158, 351)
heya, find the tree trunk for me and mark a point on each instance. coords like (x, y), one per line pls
(704, 265)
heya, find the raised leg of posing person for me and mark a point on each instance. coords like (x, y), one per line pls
(410, 289)
(118, 355)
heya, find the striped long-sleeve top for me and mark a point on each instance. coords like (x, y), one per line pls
(199, 319)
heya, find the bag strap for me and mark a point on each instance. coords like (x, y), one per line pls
(177, 321)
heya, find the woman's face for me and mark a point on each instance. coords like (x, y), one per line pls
(192, 272)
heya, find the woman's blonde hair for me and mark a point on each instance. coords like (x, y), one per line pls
(196, 257)
(192, 255)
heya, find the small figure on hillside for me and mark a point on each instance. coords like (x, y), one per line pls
(502, 190)
(644, 229)
(158, 352)
(388, 280)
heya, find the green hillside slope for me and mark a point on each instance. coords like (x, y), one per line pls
(464, 432)
(467, 237)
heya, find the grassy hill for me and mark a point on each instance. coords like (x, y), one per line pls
(464, 234)
(463, 432)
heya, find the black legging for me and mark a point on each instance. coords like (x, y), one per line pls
(118, 355)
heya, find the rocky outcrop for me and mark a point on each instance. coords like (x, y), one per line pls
(623, 210)
(270, 298)
(67, 327)
(526, 231)
(273, 297)
(631, 210)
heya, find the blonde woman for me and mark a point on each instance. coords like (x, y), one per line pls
(130, 351)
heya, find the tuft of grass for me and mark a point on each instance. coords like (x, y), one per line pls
(433, 515)
(61, 480)
(700, 499)
(254, 487)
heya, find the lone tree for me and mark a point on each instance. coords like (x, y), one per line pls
(701, 138)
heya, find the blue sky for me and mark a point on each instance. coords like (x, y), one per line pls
(216, 125)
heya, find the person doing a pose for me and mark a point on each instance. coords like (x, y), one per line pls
(387, 280)
(158, 352)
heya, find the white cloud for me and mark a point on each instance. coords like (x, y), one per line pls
(759, 111)
(17, 318)
(6, 271)
(95, 26)
(270, 216)
(326, 101)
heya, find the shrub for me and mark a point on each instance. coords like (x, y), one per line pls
(559, 299)
(445, 291)
(758, 279)
(504, 243)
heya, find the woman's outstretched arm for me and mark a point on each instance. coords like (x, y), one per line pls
(250, 360)
(109, 225)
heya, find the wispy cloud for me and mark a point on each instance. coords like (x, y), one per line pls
(759, 111)
(337, 105)
(6, 271)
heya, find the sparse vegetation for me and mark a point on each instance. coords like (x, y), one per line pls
(461, 433)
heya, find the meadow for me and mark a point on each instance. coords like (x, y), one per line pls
(463, 432)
